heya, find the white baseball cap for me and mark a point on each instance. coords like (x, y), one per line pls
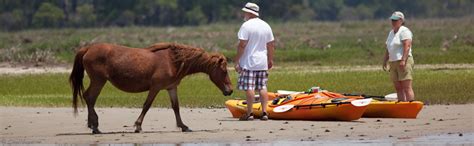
(397, 15)
(251, 8)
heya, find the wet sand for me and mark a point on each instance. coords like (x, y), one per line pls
(27, 125)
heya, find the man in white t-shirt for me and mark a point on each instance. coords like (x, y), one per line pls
(398, 53)
(254, 58)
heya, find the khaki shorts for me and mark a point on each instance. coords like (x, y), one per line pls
(396, 74)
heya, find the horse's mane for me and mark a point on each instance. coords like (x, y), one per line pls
(184, 56)
(180, 52)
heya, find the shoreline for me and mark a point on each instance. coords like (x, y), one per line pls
(29, 125)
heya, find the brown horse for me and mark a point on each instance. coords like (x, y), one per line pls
(161, 66)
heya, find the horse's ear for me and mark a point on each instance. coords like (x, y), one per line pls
(222, 62)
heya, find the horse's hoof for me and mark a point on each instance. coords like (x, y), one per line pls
(96, 131)
(138, 131)
(187, 130)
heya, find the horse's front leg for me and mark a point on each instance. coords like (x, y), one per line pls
(173, 93)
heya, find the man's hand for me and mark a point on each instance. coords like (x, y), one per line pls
(384, 67)
(270, 64)
(237, 68)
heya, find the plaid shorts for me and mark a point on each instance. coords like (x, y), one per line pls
(252, 80)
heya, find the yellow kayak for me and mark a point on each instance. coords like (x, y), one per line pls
(311, 106)
(307, 107)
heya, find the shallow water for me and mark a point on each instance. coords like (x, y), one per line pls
(436, 140)
(444, 140)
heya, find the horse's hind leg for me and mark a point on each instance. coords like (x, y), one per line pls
(90, 95)
(173, 93)
(146, 106)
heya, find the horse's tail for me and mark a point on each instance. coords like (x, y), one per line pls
(75, 79)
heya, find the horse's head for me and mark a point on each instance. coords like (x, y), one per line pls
(219, 75)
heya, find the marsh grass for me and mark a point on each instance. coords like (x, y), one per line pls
(436, 41)
(52, 90)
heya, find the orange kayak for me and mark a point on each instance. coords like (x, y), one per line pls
(393, 109)
(378, 108)
(304, 107)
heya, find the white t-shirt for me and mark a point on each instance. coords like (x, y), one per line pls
(395, 45)
(258, 33)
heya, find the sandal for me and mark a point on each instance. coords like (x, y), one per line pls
(264, 116)
(246, 117)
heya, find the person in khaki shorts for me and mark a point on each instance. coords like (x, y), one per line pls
(399, 56)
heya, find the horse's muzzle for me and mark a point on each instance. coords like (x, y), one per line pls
(227, 93)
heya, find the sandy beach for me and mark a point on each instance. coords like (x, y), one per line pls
(27, 125)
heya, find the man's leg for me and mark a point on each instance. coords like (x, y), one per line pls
(400, 92)
(250, 98)
(244, 83)
(262, 89)
(408, 90)
(264, 99)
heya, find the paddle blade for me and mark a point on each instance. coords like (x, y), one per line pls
(391, 97)
(361, 102)
(283, 108)
(286, 92)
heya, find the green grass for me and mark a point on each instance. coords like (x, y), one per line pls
(352, 42)
(52, 90)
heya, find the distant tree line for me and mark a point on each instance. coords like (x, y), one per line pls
(23, 14)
